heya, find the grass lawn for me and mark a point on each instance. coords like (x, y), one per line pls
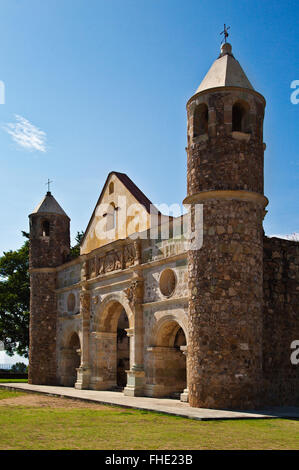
(3, 381)
(67, 424)
(8, 394)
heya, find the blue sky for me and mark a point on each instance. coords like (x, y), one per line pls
(106, 83)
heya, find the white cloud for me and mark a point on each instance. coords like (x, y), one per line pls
(26, 135)
(293, 236)
(5, 359)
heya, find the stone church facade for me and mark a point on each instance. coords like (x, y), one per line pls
(141, 309)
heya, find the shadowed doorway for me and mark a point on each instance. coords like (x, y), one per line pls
(167, 360)
(123, 350)
(71, 361)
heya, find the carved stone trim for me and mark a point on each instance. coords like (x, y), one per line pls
(134, 292)
(164, 302)
(103, 334)
(138, 252)
(129, 255)
(85, 303)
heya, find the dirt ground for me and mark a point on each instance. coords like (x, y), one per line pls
(41, 401)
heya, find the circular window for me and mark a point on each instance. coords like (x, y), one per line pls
(71, 302)
(167, 282)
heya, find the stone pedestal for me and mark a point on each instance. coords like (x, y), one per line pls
(83, 377)
(185, 395)
(135, 382)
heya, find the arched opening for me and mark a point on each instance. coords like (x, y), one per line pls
(123, 350)
(45, 228)
(168, 361)
(111, 217)
(111, 345)
(71, 358)
(71, 302)
(240, 117)
(200, 120)
(180, 339)
(111, 188)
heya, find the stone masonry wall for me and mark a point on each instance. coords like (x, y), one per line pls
(46, 253)
(281, 321)
(42, 353)
(225, 307)
(221, 159)
(52, 250)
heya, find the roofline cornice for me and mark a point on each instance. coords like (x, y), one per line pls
(48, 213)
(226, 88)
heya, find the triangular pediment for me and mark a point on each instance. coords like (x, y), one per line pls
(121, 210)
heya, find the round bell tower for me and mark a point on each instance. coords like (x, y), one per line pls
(49, 248)
(225, 174)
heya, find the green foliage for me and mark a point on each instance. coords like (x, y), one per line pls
(75, 250)
(15, 297)
(19, 368)
(15, 300)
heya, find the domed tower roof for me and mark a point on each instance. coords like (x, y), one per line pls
(49, 205)
(225, 72)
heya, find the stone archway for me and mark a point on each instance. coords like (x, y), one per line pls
(71, 358)
(112, 344)
(167, 359)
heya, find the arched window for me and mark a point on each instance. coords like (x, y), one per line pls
(111, 217)
(240, 117)
(71, 302)
(111, 188)
(200, 120)
(114, 217)
(45, 228)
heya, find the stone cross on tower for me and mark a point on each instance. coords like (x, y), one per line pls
(48, 183)
(225, 32)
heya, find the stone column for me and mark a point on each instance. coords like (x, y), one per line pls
(185, 395)
(83, 372)
(136, 374)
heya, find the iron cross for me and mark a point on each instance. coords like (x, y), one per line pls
(225, 32)
(48, 183)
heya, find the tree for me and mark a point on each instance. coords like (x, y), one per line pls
(19, 368)
(15, 300)
(75, 250)
(15, 297)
